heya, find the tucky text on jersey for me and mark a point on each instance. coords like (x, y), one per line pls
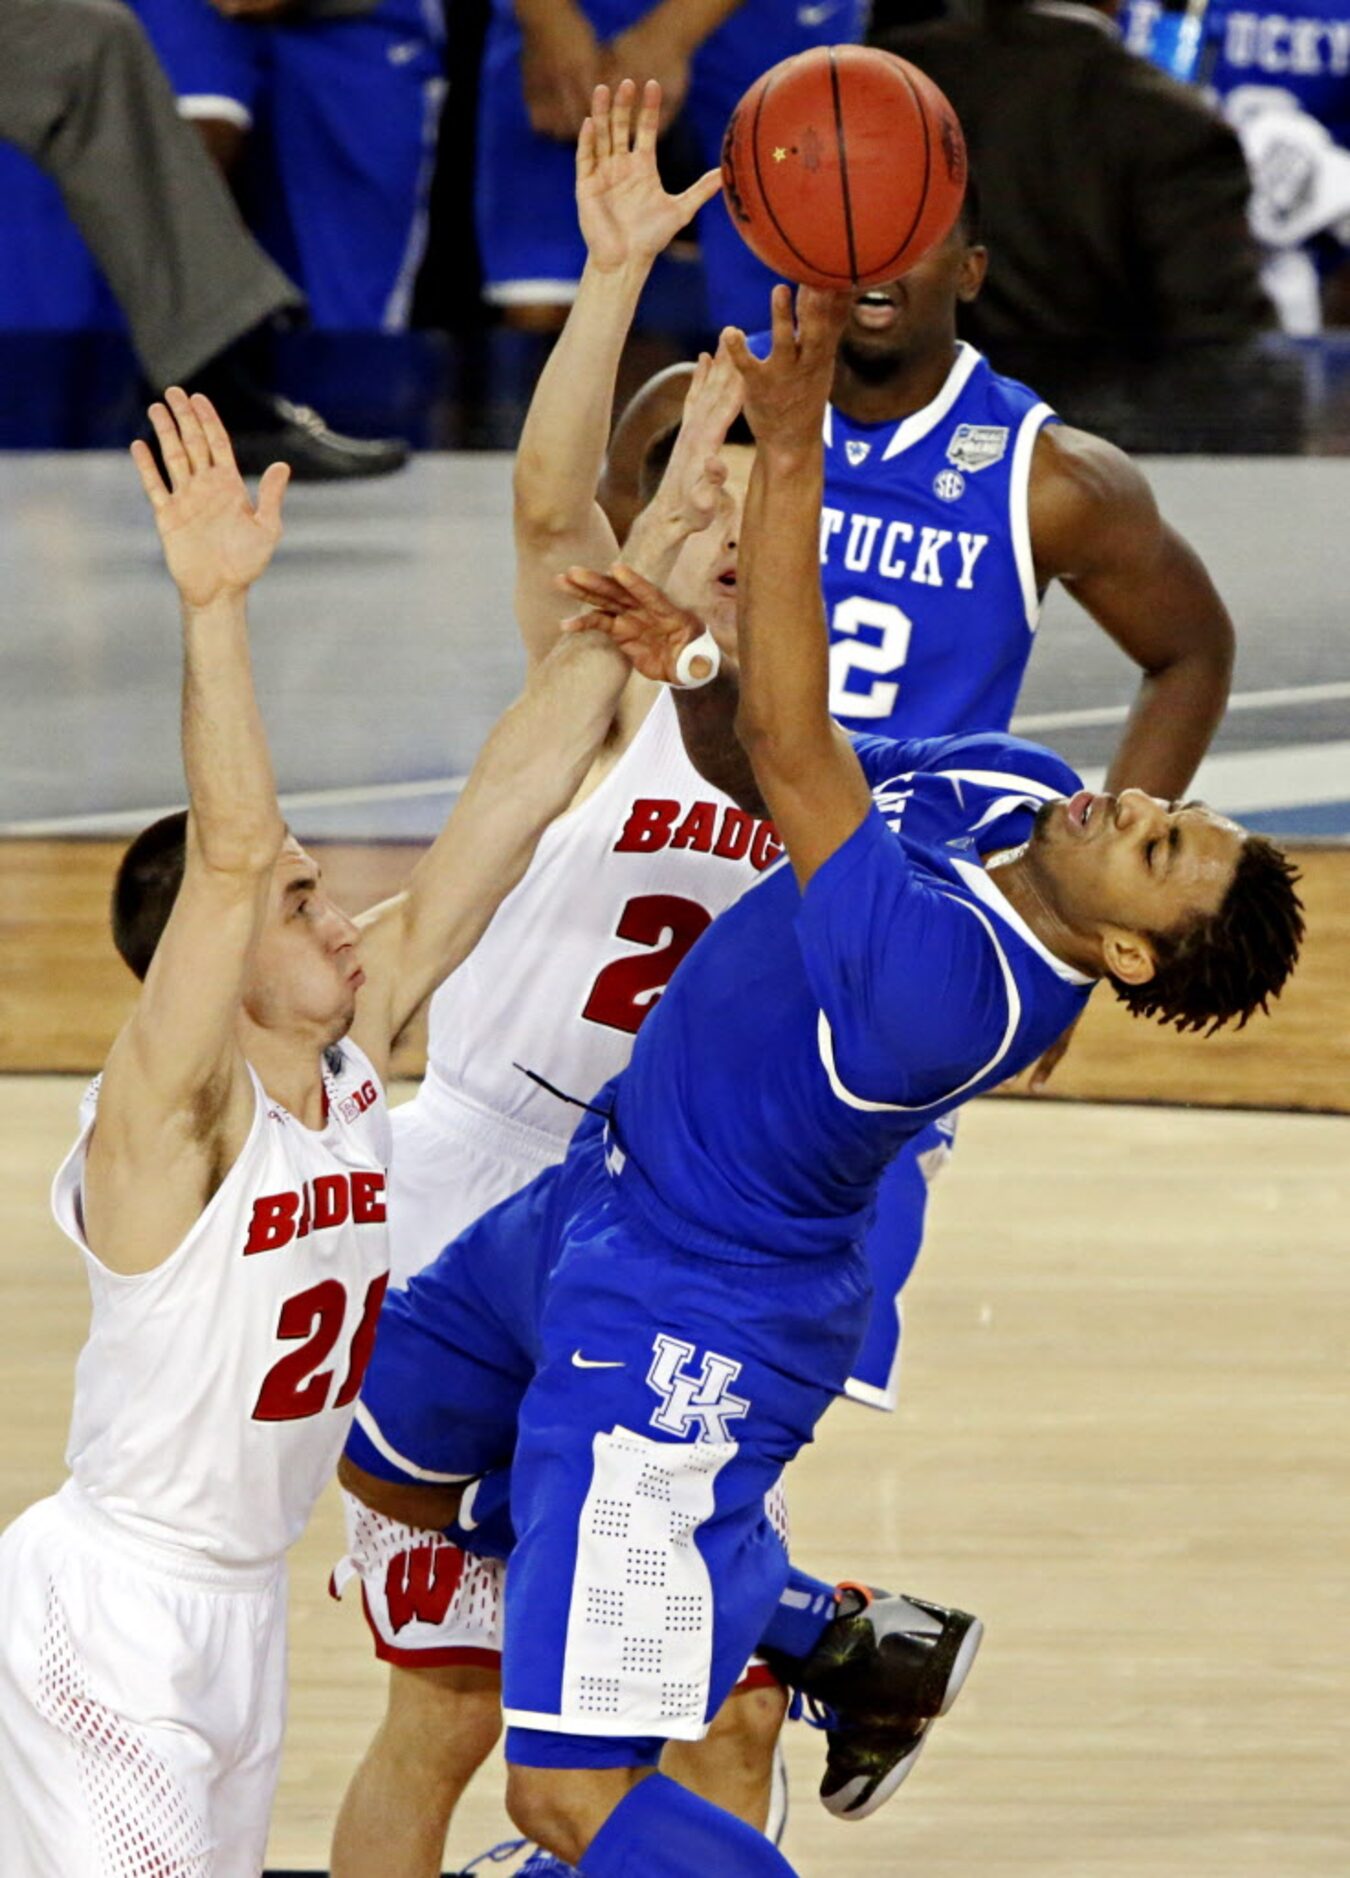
(897, 550)
(326, 1201)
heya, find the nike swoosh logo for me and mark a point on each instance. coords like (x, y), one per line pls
(588, 1362)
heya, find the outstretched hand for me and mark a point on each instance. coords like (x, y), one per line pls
(696, 472)
(786, 393)
(215, 540)
(645, 623)
(624, 210)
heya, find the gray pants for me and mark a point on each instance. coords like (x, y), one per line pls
(82, 92)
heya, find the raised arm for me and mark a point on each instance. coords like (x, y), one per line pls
(1095, 526)
(526, 774)
(627, 218)
(809, 776)
(176, 1101)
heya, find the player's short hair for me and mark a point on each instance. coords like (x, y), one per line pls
(970, 215)
(148, 879)
(1227, 965)
(658, 452)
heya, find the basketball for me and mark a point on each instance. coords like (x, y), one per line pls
(843, 166)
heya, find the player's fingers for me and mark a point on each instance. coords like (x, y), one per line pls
(270, 492)
(621, 114)
(189, 428)
(148, 470)
(217, 437)
(596, 589)
(649, 117)
(739, 353)
(170, 445)
(651, 599)
(586, 149)
(780, 320)
(693, 198)
(600, 119)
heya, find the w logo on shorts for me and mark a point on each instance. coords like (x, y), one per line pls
(700, 1401)
(420, 1583)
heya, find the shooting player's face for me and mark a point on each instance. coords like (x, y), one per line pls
(909, 317)
(304, 972)
(1133, 865)
(704, 575)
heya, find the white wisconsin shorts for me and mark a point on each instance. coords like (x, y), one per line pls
(453, 1161)
(142, 1702)
(430, 1605)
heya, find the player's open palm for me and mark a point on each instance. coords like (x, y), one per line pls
(691, 487)
(215, 540)
(625, 211)
(645, 623)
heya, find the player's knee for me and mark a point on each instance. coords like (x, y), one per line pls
(562, 1808)
(746, 1728)
(443, 1721)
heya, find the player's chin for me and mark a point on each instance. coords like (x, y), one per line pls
(719, 615)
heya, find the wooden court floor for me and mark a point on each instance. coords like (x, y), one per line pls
(1124, 1440)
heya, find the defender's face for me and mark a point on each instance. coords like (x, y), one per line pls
(908, 315)
(1135, 863)
(704, 575)
(305, 972)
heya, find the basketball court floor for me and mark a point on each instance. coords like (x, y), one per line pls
(1124, 1436)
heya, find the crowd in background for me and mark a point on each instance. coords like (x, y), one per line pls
(1149, 182)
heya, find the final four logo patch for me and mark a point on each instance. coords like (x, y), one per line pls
(976, 446)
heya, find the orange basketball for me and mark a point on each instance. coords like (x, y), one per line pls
(843, 166)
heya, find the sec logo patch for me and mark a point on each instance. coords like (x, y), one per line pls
(949, 484)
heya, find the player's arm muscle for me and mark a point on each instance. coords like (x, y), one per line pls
(1095, 526)
(176, 1101)
(526, 774)
(808, 773)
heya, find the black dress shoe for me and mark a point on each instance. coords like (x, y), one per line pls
(273, 430)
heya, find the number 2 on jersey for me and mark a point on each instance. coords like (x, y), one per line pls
(296, 1386)
(879, 657)
(628, 988)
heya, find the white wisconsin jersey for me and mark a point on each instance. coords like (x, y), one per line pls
(214, 1394)
(618, 891)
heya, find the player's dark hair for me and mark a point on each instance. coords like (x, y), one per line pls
(1230, 963)
(970, 215)
(658, 453)
(148, 879)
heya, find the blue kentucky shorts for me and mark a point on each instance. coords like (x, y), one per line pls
(647, 1399)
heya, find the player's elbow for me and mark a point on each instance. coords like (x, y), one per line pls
(242, 848)
(542, 511)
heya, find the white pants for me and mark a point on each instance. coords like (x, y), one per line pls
(142, 1702)
(453, 1161)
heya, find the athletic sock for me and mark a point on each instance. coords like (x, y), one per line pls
(663, 1831)
(804, 1612)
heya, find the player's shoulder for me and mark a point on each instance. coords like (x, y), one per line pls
(994, 758)
(1081, 481)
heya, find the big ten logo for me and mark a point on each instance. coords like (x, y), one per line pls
(729, 834)
(351, 1108)
(419, 1583)
(318, 1205)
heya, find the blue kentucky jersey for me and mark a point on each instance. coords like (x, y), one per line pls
(925, 557)
(809, 1034)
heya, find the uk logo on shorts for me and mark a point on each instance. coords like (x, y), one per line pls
(687, 1401)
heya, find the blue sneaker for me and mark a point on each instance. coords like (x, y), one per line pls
(542, 1864)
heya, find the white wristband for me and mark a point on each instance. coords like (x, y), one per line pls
(705, 647)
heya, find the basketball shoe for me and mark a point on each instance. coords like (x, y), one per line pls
(885, 1668)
